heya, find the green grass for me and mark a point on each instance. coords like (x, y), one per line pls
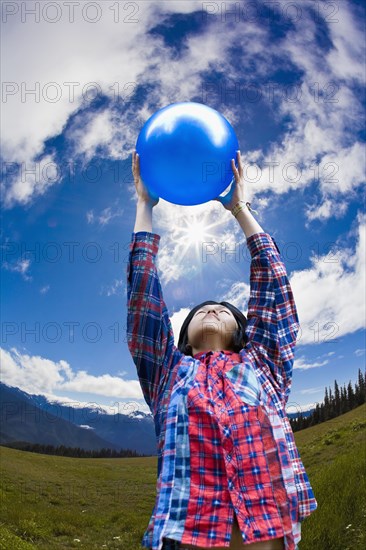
(54, 502)
(334, 455)
(50, 501)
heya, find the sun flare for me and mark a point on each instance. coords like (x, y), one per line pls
(194, 230)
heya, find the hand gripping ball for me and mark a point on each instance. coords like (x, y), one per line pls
(185, 152)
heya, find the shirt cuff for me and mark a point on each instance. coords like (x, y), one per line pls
(143, 241)
(260, 241)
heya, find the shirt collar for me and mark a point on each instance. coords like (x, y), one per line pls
(209, 352)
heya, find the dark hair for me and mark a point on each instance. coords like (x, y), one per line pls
(239, 340)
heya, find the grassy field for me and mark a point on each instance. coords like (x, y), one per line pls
(54, 502)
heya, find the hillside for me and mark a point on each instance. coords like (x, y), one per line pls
(58, 502)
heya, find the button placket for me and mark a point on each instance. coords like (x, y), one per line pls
(214, 387)
(215, 377)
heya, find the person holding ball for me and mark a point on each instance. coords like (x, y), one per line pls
(229, 473)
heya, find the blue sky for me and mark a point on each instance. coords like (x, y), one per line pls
(78, 87)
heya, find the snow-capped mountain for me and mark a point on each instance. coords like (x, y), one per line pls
(37, 419)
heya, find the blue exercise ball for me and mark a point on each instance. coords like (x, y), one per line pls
(185, 152)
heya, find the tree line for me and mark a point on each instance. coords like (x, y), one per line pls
(340, 401)
(75, 452)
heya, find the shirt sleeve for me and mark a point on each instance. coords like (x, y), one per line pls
(150, 337)
(273, 322)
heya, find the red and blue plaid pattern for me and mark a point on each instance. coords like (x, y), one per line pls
(224, 441)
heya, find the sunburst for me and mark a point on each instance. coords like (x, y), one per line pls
(194, 230)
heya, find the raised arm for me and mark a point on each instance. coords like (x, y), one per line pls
(150, 335)
(273, 323)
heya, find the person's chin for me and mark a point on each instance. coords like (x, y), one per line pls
(212, 328)
(211, 320)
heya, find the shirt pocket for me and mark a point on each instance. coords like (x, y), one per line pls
(245, 383)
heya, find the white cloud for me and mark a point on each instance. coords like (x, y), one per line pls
(97, 132)
(31, 179)
(81, 60)
(36, 374)
(311, 390)
(330, 296)
(32, 372)
(344, 173)
(104, 217)
(20, 266)
(44, 289)
(177, 320)
(303, 364)
(347, 56)
(328, 354)
(238, 295)
(117, 287)
(359, 352)
(317, 130)
(328, 208)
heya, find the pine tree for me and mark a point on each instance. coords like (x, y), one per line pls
(351, 396)
(326, 405)
(343, 399)
(331, 403)
(346, 403)
(361, 398)
(337, 399)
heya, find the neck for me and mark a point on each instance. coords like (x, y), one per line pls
(212, 344)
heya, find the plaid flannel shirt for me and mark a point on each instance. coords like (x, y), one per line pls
(224, 441)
